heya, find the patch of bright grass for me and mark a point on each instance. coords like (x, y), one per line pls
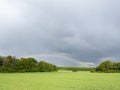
(62, 80)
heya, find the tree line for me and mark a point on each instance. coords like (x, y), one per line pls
(13, 64)
(108, 66)
(75, 69)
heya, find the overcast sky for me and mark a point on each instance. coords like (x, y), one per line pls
(62, 32)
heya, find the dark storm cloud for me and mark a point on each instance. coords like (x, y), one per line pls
(85, 31)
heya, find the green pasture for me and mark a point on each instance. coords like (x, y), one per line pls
(62, 80)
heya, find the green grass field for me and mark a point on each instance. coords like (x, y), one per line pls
(62, 80)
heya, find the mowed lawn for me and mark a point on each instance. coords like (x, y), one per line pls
(62, 80)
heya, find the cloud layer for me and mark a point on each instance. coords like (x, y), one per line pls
(64, 32)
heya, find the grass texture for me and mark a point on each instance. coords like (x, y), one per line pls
(62, 80)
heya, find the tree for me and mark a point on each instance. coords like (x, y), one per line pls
(8, 61)
(12, 64)
(108, 66)
(27, 64)
(104, 66)
(46, 67)
(1, 61)
(16, 65)
(42, 66)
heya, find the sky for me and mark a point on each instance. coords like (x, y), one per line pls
(62, 32)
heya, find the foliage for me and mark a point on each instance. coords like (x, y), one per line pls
(1, 60)
(12, 64)
(46, 67)
(76, 68)
(108, 67)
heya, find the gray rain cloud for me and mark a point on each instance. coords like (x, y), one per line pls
(63, 32)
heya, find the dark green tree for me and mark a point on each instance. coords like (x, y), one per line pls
(1, 60)
(108, 66)
(27, 64)
(46, 67)
(12, 64)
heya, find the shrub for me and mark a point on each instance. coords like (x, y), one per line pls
(74, 70)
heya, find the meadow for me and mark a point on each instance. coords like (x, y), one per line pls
(61, 80)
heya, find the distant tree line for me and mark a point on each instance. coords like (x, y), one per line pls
(108, 67)
(13, 64)
(75, 69)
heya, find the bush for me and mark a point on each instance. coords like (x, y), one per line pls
(74, 70)
(92, 71)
